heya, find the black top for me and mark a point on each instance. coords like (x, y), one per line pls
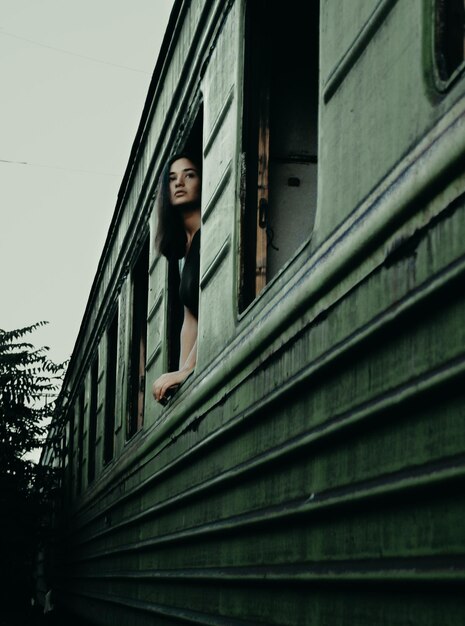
(190, 277)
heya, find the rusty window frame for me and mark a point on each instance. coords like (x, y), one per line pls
(256, 233)
(255, 158)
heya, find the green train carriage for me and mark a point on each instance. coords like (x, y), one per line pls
(311, 470)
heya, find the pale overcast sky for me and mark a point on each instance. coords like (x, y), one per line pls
(67, 124)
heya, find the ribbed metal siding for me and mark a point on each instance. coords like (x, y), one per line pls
(335, 498)
(323, 483)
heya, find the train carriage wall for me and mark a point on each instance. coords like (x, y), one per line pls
(311, 470)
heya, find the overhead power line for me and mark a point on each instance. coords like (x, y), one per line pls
(74, 54)
(13, 162)
(58, 167)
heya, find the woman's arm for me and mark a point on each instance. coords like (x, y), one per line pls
(187, 359)
(188, 339)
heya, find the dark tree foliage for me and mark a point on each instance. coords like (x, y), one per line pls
(29, 384)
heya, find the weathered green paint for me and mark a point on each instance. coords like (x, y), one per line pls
(312, 469)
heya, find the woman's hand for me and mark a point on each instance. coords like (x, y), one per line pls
(168, 381)
(186, 363)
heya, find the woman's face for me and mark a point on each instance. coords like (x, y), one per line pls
(184, 183)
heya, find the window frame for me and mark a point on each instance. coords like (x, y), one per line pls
(261, 160)
(92, 426)
(111, 377)
(441, 84)
(136, 383)
(191, 142)
(70, 447)
(80, 440)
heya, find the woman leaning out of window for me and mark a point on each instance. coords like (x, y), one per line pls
(178, 237)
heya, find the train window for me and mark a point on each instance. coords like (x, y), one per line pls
(92, 430)
(136, 395)
(279, 138)
(70, 451)
(193, 147)
(110, 390)
(80, 442)
(449, 36)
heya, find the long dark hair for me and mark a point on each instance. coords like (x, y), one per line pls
(171, 238)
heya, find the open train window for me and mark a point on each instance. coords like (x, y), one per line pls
(280, 137)
(80, 441)
(449, 41)
(138, 349)
(92, 431)
(193, 147)
(110, 390)
(69, 463)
